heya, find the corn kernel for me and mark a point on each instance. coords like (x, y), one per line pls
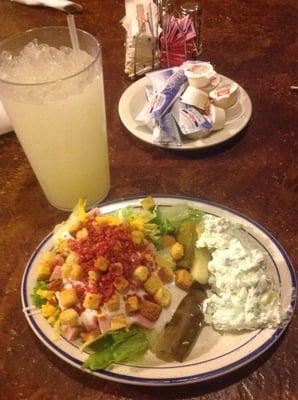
(45, 294)
(48, 310)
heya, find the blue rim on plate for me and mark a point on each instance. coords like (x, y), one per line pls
(183, 379)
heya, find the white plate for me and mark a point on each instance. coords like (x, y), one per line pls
(214, 354)
(133, 99)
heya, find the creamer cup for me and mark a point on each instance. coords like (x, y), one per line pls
(234, 112)
(214, 82)
(225, 96)
(199, 74)
(195, 97)
(217, 116)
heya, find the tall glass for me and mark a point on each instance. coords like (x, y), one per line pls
(61, 124)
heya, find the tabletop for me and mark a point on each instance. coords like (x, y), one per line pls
(255, 43)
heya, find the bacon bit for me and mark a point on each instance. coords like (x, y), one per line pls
(80, 290)
(52, 301)
(114, 243)
(56, 285)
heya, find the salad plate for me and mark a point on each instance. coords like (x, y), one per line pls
(134, 98)
(214, 354)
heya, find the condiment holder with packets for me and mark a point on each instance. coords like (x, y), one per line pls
(188, 102)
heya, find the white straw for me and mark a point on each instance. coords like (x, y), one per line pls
(73, 33)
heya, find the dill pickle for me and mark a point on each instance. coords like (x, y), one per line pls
(187, 235)
(177, 339)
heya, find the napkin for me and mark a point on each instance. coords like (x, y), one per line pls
(5, 125)
(63, 5)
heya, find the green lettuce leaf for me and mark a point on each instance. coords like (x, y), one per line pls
(169, 218)
(37, 300)
(116, 347)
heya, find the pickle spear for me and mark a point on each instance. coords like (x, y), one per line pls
(187, 236)
(177, 339)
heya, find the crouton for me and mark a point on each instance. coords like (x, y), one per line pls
(152, 284)
(69, 317)
(168, 240)
(150, 310)
(66, 270)
(183, 279)
(72, 258)
(101, 263)
(118, 322)
(121, 284)
(82, 234)
(163, 297)
(113, 303)
(141, 273)
(68, 298)
(166, 274)
(132, 304)
(93, 276)
(43, 271)
(177, 251)
(92, 301)
(76, 272)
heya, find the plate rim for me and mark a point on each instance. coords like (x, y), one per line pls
(198, 377)
(140, 83)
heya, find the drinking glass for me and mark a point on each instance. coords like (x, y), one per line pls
(61, 123)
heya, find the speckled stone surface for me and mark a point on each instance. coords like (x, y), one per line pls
(255, 43)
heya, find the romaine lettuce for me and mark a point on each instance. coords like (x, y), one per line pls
(116, 347)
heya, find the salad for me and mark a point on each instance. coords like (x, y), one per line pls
(143, 279)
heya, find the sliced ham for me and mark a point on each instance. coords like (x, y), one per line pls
(56, 274)
(104, 323)
(142, 322)
(70, 332)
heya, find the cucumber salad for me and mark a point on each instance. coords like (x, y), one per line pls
(149, 278)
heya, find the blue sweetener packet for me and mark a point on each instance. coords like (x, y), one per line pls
(160, 77)
(173, 89)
